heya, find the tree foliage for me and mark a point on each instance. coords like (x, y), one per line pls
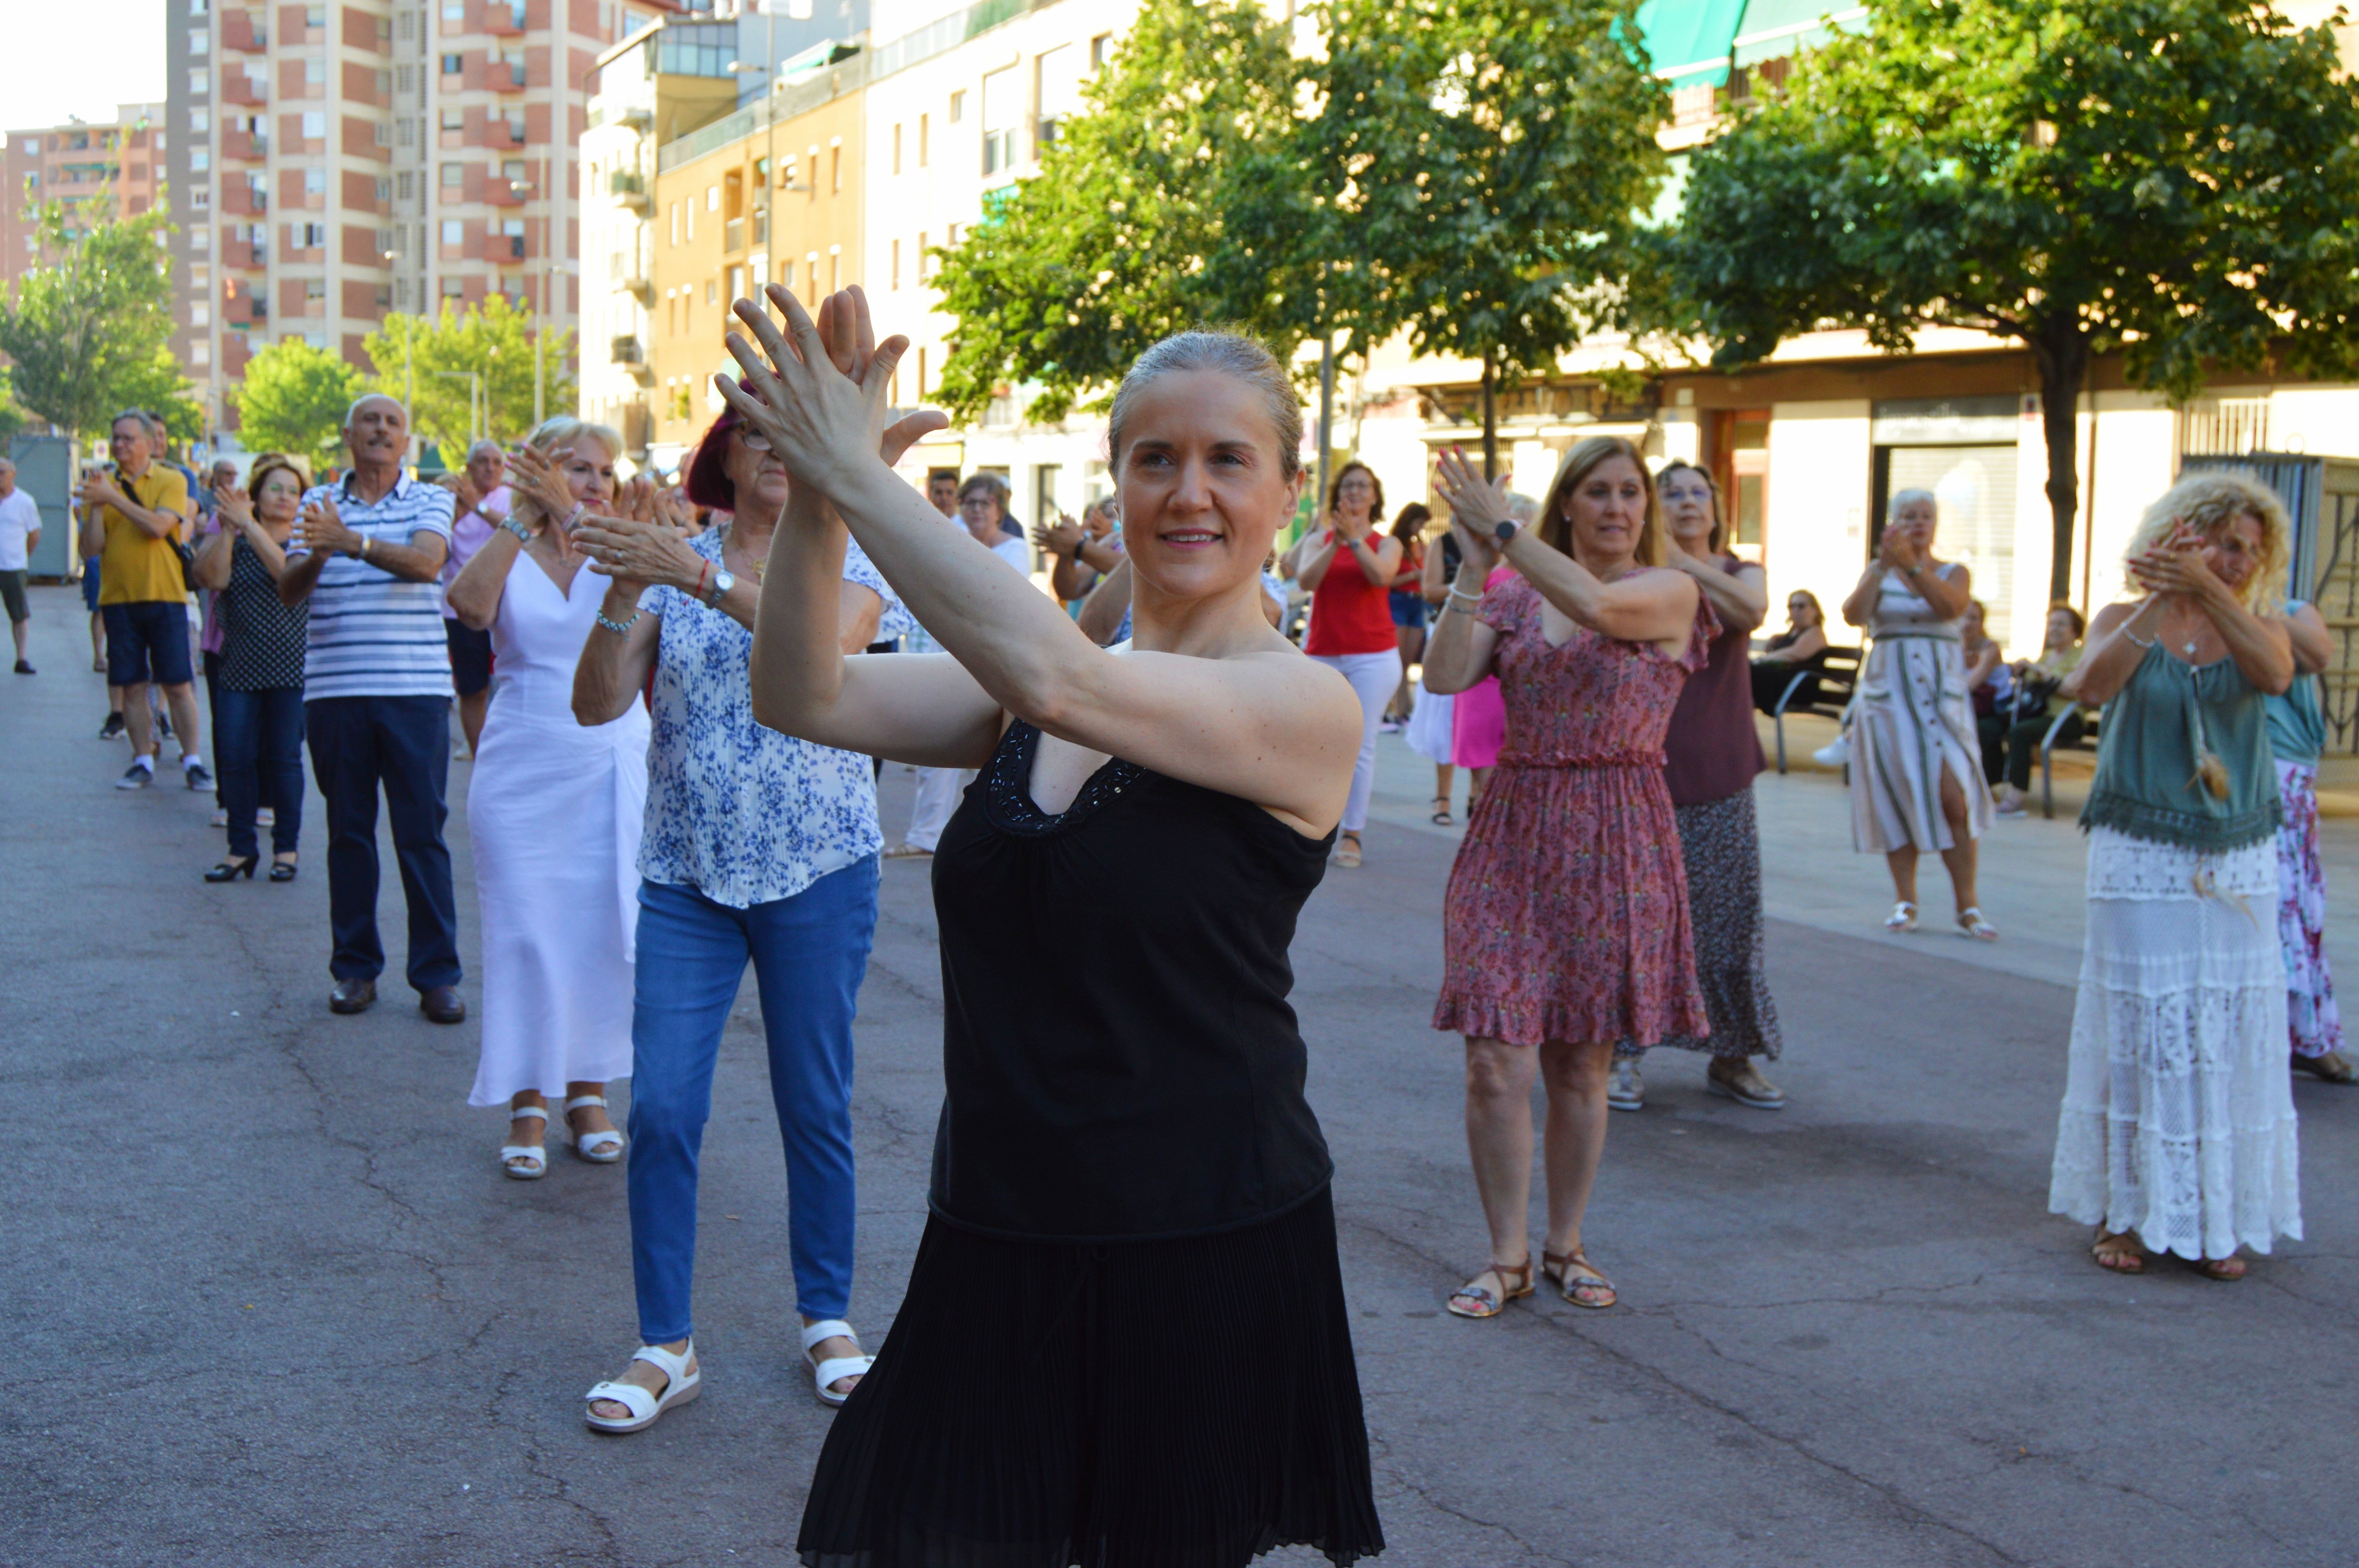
(293, 400)
(2174, 180)
(89, 330)
(1469, 169)
(424, 361)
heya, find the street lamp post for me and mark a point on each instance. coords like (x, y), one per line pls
(475, 380)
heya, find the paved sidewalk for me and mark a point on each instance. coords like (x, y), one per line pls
(271, 1303)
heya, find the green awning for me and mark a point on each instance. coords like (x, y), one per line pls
(1688, 40)
(1773, 28)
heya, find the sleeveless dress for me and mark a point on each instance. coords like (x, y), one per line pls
(2177, 1120)
(1913, 720)
(2297, 737)
(554, 811)
(1566, 916)
(1711, 753)
(1124, 1338)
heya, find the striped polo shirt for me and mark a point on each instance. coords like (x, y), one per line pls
(374, 635)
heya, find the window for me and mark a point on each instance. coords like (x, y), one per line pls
(957, 107)
(381, 134)
(811, 271)
(454, 175)
(315, 288)
(317, 340)
(1060, 89)
(895, 275)
(32, 145)
(737, 283)
(454, 231)
(921, 141)
(405, 131)
(200, 122)
(675, 223)
(453, 64)
(712, 291)
(201, 240)
(922, 375)
(454, 123)
(405, 185)
(315, 236)
(404, 77)
(198, 200)
(315, 182)
(835, 169)
(834, 269)
(787, 275)
(1001, 112)
(453, 288)
(1101, 50)
(407, 23)
(513, 170)
(200, 41)
(897, 150)
(200, 314)
(712, 197)
(691, 205)
(315, 125)
(383, 188)
(201, 82)
(199, 160)
(201, 354)
(315, 71)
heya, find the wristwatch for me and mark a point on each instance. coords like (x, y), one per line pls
(1503, 532)
(723, 580)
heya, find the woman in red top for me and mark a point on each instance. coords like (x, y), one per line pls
(1349, 568)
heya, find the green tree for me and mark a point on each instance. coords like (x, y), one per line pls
(1493, 160)
(1125, 236)
(293, 400)
(89, 330)
(428, 362)
(2177, 180)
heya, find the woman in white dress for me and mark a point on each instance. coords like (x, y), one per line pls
(554, 810)
(1916, 761)
(2177, 1132)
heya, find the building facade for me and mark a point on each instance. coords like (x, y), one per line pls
(118, 163)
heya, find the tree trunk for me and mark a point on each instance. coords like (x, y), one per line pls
(1490, 420)
(2060, 352)
(1326, 419)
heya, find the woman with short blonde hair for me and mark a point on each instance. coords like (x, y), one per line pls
(2177, 1132)
(553, 809)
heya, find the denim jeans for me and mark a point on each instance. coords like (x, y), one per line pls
(258, 757)
(402, 744)
(810, 954)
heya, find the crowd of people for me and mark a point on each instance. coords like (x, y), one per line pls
(675, 758)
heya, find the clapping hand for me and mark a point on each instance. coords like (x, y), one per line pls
(1064, 538)
(540, 477)
(324, 530)
(98, 488)
(230, 500)
(1898, 550)
(1477, 508)
(463, 486)
(2177, 566)
(818, 400)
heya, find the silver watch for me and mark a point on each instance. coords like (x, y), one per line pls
(723, 580)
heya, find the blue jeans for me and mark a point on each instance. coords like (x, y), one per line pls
(810, 954)
(259, 757)
(402, 744)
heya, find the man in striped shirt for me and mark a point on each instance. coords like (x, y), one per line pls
(377, 688)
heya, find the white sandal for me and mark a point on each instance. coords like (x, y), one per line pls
(535, 1155)
(1903, 917)
(835, 1369)
(601, 1147)
(681, 1385)
(1970, 922)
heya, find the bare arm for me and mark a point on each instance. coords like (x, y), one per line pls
(474, 594)
(1859, 604)
(1810, 644)
(1459, 649)
(1659, 607)
(1261, 723)
(2313, 645)
(614, 670)
(1102, 612)
(210, 568)
(1740, 598)
(1312, 559)
(1429, 575)
(2118, 638)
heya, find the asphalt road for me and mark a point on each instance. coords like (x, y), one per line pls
(270, 1301)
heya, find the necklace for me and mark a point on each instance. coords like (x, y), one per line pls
(752, 564)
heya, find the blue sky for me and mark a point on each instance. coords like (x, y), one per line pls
(79, 57)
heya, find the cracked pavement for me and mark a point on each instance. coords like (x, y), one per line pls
(272, 1303)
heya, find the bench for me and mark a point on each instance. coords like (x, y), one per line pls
(2048, 749)
(1836, 672)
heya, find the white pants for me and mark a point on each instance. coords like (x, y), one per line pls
(938, 790)
(1373, 677)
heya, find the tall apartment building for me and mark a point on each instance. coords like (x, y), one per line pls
(342, 161)
(76, 163)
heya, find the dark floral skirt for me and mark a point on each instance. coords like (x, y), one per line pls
(1720, 845)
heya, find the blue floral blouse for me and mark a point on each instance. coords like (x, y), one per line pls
(742, 814)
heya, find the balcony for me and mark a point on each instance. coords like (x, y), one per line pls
(243, 309)
(504, 250)
(733, 236)
(503, 17)
(628, 352)
(630, 276)
(629, 187)
(242, 201)
(244, 32)
(503, 192)
(237, 87)
(504, 75)
(244, 146)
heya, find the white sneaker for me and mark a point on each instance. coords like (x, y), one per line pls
(219, 819)
(1835, 753)
(264, 817)
(1625, 1090)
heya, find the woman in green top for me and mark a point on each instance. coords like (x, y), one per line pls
(2177, 1132)
(2297, 737)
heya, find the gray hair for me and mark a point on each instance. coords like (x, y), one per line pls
(352, 410)
(487, 444)
(1913, 492)
(1224, 353)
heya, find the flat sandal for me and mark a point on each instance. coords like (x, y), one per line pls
(1516, 1281)
(1571, 1271)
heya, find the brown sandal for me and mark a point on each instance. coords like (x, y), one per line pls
(2227, 1271)
(1515, 1284)
(2118, 1252)
(1558, 1269)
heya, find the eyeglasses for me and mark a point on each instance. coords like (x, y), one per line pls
(753, 443)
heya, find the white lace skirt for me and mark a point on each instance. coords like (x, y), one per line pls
(2177, 1120)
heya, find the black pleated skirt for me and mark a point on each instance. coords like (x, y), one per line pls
(1153, 1404)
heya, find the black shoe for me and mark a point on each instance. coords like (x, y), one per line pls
(196, 774)
(231, 870)
(353, 997)
(23, 668)
(442, 1005)
(113, 728)
(136, 778)
(284, 870)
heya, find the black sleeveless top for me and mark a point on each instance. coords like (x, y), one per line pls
(1119, 1059)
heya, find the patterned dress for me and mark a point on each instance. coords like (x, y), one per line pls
(1567, 912)
(1913, 723)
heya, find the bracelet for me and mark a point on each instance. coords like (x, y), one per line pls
(620, 629)
(703, 567)
(365, 542)
(1464, 606)
(523, 534)
(1469, 598)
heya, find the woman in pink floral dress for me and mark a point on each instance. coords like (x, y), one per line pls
(1565, 927)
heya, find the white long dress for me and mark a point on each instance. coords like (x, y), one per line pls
(554, 810)
(1913, 721)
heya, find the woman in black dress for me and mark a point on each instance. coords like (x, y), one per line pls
(1123, 1341)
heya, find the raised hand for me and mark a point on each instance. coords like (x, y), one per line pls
(540, 477)
(638, 552)
(233, 501)
(324, 530)
(637, 499)
(1063, 538)
(2179, 566)
(1897, 548)
(463, 488)
(818, 400)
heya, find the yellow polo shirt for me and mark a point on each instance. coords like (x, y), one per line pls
(135, 567)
